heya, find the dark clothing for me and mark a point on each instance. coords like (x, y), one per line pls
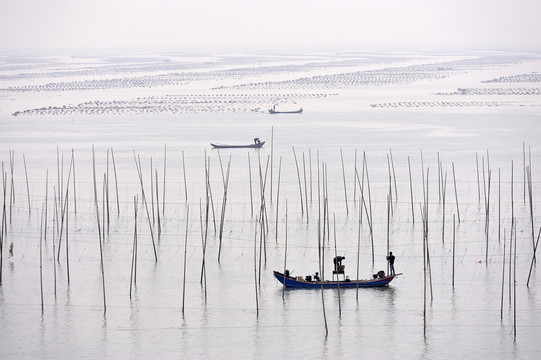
(390, 258)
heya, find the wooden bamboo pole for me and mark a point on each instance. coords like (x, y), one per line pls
(456, 194)
(27, 187)
(524, 168)
(107, 192)
(143, 199)
(533, 258)
(133, 270)
(394, 177)
(443, 190)
(299, 178)
(310, 162)
(355, 177)
(185, 253)
(454, 242)
(224, 202)
(305, 187)
(12, 188)
(478, 183)
(515, 285)
(335, 255)
(370, 203)
(503, 277)
(185, 183)
(344, 177)
(255, 269)
(358, 253)
(116, 182)
(411, 192)
(278, 198)
(285, 262)
(158, 206)
(164, 174)
(250, 177)
(271, 161)
(99, 230)
(321, 271)
(40, 260)
(487, 218)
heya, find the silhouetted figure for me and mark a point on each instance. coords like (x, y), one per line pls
(390, 259)
(257, 141)
(316, 277)
(338, 268)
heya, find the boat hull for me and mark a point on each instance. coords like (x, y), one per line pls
(250, 146)
(271, 111)
(299, 282)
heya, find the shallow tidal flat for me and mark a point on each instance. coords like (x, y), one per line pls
(125, 235)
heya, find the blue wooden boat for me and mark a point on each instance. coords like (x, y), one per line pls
(307, 282)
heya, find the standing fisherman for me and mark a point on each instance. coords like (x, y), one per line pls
(390, 259)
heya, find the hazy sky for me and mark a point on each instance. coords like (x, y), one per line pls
(205, 24)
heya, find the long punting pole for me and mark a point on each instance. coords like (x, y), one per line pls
(487, 217)
(499, 204)
(344, 177)
(299, 177)
(27, 187)
(185, 253)
(99, 229)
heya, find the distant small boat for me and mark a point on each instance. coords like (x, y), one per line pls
(273, 111)
(308, 282)
(225, 146)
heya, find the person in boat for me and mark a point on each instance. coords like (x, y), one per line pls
(338, 263)
(390, 259)
(316, 277)
(257, 141)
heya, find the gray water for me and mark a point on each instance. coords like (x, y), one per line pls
(222, 319)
